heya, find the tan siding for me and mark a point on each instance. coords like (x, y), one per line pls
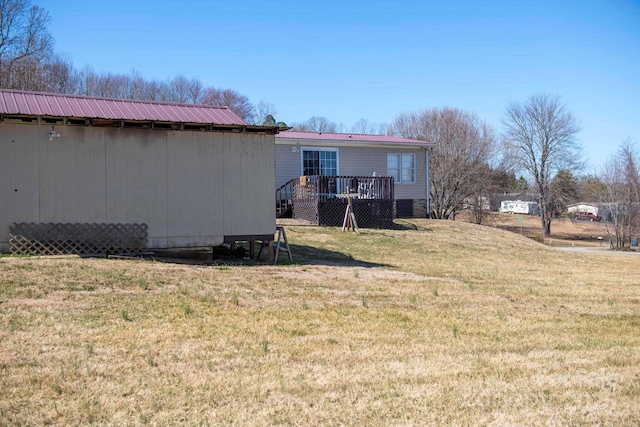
(72, 176)
(249, 190)
(138, 185)
(175, 182)
(18, 178)
(194, 194)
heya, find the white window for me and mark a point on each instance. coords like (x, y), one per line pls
(319, 162)
(402, 167)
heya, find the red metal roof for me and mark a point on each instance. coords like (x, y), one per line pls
(15, 102)
(349, 138)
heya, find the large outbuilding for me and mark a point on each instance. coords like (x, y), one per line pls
(188, 175)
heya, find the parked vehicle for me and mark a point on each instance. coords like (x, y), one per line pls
(586, 216)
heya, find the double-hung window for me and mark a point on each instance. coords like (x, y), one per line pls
(402, 167)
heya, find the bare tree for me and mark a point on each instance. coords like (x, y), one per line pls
(24, 39)
(543, 133)
(25, 74)
(236, 102)
(61, 76)
(185, 91)
(364, 126)
(620, 195)
(195, 91)
(106, 85)
(28, 62)
(156, 90)
(137, 86)
(52, 73)
(316, 124)
(179, 89)
(262, 111)
(264, 114)
(321, 124)
(459, 174)
(612, 196)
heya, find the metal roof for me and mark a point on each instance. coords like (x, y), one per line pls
(22, 103)
(346, 138)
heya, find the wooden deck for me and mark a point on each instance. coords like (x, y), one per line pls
(322, 200)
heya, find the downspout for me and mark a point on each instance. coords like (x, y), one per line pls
(427, 199)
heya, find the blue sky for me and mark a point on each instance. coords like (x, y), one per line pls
(349, 60)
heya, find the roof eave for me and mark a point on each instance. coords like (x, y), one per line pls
(153, 124)
(351, 143)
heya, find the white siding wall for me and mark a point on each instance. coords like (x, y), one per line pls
(190, 188)
(288, 163)
(356, 161)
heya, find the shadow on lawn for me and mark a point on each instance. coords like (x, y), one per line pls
(405, 224)
(314, 256)
(302, 255)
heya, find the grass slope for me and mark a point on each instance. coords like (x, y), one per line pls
(438, 323)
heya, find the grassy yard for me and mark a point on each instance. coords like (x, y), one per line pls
(439, 323)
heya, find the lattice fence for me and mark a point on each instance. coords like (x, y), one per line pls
(80, 239)
(322, 200)
(369, 213)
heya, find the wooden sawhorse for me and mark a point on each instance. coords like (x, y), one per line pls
(281, 245)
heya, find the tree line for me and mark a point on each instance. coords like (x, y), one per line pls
(29, 62)
(470, 162)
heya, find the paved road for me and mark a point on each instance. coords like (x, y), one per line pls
(598, 250)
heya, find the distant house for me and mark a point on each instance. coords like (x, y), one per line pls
(189, 175)
(589, 208)
(356, 155)
(589, 211)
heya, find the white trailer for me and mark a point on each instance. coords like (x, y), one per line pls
(506, 206)
(519, 207)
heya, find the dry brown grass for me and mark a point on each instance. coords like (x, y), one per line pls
(439, 323)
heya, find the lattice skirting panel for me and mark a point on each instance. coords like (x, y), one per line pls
(370, 213)
(306, 210)
(80, 239)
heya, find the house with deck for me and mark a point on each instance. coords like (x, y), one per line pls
(81, 174)
(385, 176)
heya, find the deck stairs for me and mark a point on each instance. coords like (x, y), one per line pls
(284, 200)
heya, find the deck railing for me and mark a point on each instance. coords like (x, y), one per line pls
(322, 187)
(322, 200)
(284, 197)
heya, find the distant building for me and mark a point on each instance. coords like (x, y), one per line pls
(589, 208)
(332, 154)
